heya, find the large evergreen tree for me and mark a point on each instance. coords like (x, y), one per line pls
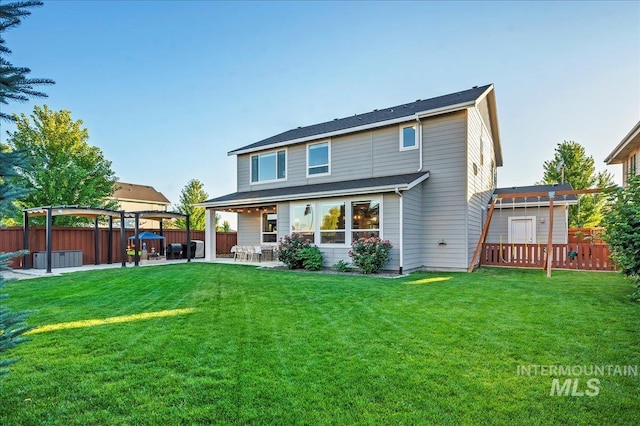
(15, 86)
(66, 169)
(192, 193)
(571, 164)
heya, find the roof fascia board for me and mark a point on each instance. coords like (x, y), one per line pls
(418, 181)
(307, 195)
(635, 132)
(421, 114)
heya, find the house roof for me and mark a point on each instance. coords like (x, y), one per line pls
(140, 193)
(515, 190)
(383, 117)
(629, 143)
(319, 190)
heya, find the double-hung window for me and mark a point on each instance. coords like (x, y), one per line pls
(365, 219)
(408, 138)
(332, 227)
(318, 158)
(268, 167)
(302, 220)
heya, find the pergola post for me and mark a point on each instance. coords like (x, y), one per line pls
(162, 243)
(123, 236)
(188, 240)
(96, 241)
(136, 240)
(26, 262)
(110, 242)
(49, 237)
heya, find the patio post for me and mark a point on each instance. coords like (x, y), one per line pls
(123, 236)
(136, 240)
(49, 237)
(96, 241)
(110, 242)
(26, 263)
(188, 240)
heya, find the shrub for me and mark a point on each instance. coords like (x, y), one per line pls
(370, 254)
(311, 258)
(289, 248)
(342, 266)
(622, 221)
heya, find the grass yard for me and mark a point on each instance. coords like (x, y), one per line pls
(213, 344)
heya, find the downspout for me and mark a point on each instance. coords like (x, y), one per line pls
(419, 129)
(401, 233)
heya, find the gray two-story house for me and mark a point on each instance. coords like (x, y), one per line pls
(419, 175)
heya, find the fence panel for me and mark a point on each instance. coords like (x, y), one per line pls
(583, 256)
(70, 238)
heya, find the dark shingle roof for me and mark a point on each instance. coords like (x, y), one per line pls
(375, 116)
(515, 190)
(309, 190)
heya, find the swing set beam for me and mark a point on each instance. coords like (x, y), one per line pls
(514, 196)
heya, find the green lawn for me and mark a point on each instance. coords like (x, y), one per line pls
(279, 347)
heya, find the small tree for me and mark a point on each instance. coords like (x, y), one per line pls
(622, 222)
(193, 193)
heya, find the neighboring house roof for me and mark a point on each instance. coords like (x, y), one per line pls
(384, 117)
(139, 193)
(629, 143)
(351, 187)
(515, 190)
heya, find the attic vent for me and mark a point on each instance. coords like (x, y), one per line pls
(334, 119)
(374, 110)
(391, 110)
(418, 100)
(299, 127)
(475, 87)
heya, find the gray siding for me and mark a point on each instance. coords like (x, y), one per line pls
(249, 228)
(391, 227)
(500, 223)
(412, 235)
(355, 156)
(284, 220)
(444, 193)
(480, 183)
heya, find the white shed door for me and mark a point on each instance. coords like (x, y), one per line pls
(522, 230)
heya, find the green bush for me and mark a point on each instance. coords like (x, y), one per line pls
(289, 250)
(342, 266)
(622, 222)
(370, 254)
(311, 258)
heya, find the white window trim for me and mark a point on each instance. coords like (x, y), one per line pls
(286, 164)
(328, 142)
(262, 233)
(401, 136)
(348, 222)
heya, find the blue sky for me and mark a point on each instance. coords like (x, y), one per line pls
(167, 88)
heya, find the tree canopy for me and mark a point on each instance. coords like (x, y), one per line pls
(571, 164)
(65, 170)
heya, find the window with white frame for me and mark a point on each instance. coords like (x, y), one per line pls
(318, 157)
(408, 138)
(270, 166)
(332, 227)
(365, 219)
(269, 227)
(632, 165)
(302, 220)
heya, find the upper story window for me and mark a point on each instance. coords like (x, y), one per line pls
(408, 138)
(632, 165)
(318, 155)
(269, 167)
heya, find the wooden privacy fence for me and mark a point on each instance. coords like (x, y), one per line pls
(592, 257)
(69, 238)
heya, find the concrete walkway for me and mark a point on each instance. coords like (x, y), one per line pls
(21, 274)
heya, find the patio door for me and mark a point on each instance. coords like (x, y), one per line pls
(522, 230)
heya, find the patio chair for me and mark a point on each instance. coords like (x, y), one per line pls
(238, 253)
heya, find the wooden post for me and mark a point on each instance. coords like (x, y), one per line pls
(550, 239)
(483, 235)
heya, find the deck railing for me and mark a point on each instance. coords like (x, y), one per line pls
(592, 257)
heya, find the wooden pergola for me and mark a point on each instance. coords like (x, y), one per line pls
(551, 195)
(95, 213)
(87, 212)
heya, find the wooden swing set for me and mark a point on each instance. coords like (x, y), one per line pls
(548, 261)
